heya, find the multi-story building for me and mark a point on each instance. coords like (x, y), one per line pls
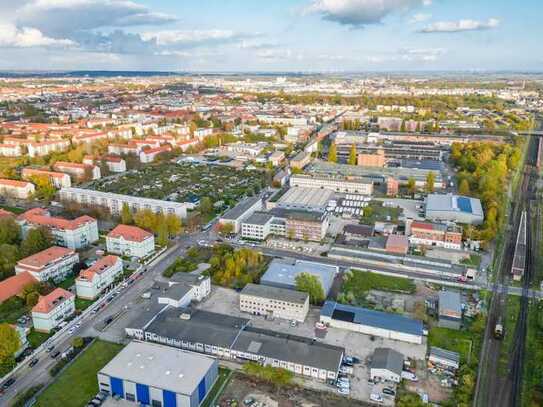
(436, 234)
(47, 147)
(376, 159)
(52, 309)
(78, 170)
(58, 179)
(92, 281)
(274, 302)
(301, 224)
(115, 163)
(202, 133)
(148, 155)
(73, 234)
(301, 160)
(55, 263)
(236, 215)
(122, 149)
(10, 150)
(16, 189)
(276, 158)
(336, 184)
(130, 241)
(114, 202)
(257, 226)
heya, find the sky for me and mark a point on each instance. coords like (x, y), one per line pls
(278, 35)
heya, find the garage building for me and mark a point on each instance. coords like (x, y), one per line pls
(386, 364)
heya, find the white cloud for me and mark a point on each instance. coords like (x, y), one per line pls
(194, 38)
(25, 37)
(408, 55)
(419, 18)
(461, 25)
(359, 13)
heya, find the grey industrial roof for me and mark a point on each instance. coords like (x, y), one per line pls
(188, 278)
(174, 291)
(305, 197)
(283, 272)
(258, 218)
(275, 293)
(445, 354)
(453, 203)
(202, 327)
(300, 156)
(242, 207)
(290, 348)
(159, 366)
(385, 358)
(298, 214)
(450, 300)
(362, 230)
(376, 319)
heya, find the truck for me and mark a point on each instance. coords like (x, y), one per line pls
(498, 329)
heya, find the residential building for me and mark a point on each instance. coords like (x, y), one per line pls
(58, 179)
(276, 158)
(130, 241)
(370, 322)
(236, 215)
(114, 202)
(148, 155)
(16, 189)
(450, 309)
(436, 234)
(148, 374)
(202, 133)
(76, 233)
(10, 150)
(78, 170)
(393, 187)
(336, 184)
(274, 302)
(93, 281)
(119, 149)
(115, 163)
(55, 263)
(300, 160)
(14, 285)
(386, 364)
(282, 273)
(454, 208)
(52, 309)
(47, 147)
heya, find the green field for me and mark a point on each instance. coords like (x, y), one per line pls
(76, 385)
(218, 387)
(360, 282)
(37, 338)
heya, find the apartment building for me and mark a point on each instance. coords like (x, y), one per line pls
(303, 225)
(78, 170)
(16, 189)
(336, 184)
(274, 302)
(202, 133)
(130, 241)
(10, 150)
(58, 179)
(276, 158)
(148, 155)
(119, 149)
(74, 234)
(92, 281)
(54, 263)
(114, 202)
(115, 163)
(436, 234)
(47, 147)
(52, 309)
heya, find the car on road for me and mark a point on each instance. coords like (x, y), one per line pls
(55, 354)
(50, 349)
(33, 362)
(389, 391)
(71, 330)
(8, 383)
(376, 397)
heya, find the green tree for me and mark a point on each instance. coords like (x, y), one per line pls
(9, 344)
(310, 284)
(352, 155)
(206, 205)
(430, 181)
(332, 153)
(126, 215)
(162, 231)
(32, 299)
(402, 127)
(8, 259)
(411, 185)
(173, 222)
(146, 219)
(463, 187)
(36, 240)
(9, 231)
(77, 342)
(45, 189)
(409, 400)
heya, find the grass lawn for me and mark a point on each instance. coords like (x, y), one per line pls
(218, 387)
(474, 260)
(76, 385)
(509, 323)
(37, 338)
(67, 282)
(13, 209)
(453, 340)
(375, 212)
(12, 309)
(81, 304)
(358, 281)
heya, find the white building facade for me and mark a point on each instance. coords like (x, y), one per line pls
(93, 281)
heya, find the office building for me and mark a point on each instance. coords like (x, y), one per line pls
(236, 215)
(148, 374)
(130, 241)
(257, 226)
(55, 263)
(300, 160)
(274, 302)
(335, 184)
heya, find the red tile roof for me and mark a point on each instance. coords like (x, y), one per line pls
(41, 259)
(47, 303)
(12, 286)
(5, 214)
(28, 172)
(422, 225)
(39, 216)
(14, 183)
(99, 267)
(130, 233)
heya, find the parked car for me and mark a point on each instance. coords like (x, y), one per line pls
(33, 362)
(389, 391)
(409, 376)
(8, 383)
(55, 354)
(376, 397)
(344, 391)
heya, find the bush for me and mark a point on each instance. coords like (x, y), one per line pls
(180, 266)
(22, 398)
(274, 375)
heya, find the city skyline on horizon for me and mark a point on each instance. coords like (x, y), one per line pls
(313, 36)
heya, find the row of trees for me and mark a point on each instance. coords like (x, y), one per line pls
(235, 268)
(163, 226)
(12, 248)
(310, 284)
(483, 172)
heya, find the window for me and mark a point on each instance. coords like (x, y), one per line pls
(156, 403)
(130, 396)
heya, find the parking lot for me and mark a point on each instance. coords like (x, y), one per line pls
(223, 300)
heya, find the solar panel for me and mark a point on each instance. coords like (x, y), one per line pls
(464, 204)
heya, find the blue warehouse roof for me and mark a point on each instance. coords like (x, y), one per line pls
(376, 319)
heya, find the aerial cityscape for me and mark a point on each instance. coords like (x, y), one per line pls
(296, 204)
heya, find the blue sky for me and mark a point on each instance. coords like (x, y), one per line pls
(279, 35)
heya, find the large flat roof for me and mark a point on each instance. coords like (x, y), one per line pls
(275, 293)
(159, 366)
(305, 197)
(454, 203)
(376, 319)
(242, 207)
